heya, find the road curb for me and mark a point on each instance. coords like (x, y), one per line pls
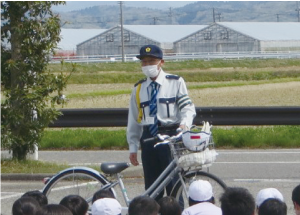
(24, 176)
(132, 172)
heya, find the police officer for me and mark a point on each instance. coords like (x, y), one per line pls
(158, 104)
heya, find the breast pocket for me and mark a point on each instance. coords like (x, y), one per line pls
(145, 107)
(167, 106)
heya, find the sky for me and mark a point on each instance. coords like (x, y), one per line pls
(78, 5)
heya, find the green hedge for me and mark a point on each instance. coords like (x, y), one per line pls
(235, 137)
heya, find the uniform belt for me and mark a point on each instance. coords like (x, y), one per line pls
(165, 128)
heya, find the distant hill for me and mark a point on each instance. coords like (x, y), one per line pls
(195, 13)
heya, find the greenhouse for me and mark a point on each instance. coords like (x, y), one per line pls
(109, 42)
(242, 37)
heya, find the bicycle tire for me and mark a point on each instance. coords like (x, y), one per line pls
(74, 181)
(218, 186)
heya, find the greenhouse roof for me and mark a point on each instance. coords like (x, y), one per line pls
(164, 33)
(266, 30)
(71, 37)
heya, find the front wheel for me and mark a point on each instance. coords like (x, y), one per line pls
(80, 181)
(217, 184)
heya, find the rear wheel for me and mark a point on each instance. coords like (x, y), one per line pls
(218, 186)
(74, 181)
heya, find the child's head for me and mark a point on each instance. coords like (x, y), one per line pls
(76, 204)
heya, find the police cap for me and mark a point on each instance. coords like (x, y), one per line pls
(151, 51)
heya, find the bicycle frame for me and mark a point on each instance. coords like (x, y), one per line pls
(159, 184)
(179, 169)
(153, 191)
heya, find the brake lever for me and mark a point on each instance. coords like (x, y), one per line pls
(166, 138)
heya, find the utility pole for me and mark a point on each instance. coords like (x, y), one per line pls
(214, 16)
(277, 17)
(122, 33)
(298, 10)
(171, 15)
(154, 20)
(219, 16)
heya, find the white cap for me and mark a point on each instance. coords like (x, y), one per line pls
(106, 206)
(268, 193)
(200, 191)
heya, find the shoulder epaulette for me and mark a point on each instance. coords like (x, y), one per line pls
(175, 77)
(140, 81)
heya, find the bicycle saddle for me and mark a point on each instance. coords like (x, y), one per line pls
(113, 168)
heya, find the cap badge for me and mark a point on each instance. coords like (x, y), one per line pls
(148, 49)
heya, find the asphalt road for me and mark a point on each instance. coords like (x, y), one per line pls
(253, 169)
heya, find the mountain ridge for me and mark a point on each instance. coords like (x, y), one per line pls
(197, 13)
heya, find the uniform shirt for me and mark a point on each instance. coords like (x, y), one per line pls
(204, 208)
(173, 106)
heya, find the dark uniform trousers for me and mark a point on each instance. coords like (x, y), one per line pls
(155, 160)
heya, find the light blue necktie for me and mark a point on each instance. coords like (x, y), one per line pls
(153, 109)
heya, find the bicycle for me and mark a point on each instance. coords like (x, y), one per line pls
(86, 181)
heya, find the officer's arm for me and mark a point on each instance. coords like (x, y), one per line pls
(186, 106)
(134, 129)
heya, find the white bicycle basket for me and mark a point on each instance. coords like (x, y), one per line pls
(198, 159)
(198, 148)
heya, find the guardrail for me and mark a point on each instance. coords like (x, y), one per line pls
(181, 56)
(117, 117)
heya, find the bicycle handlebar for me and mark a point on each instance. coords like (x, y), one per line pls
(151, 139)
(163, 138)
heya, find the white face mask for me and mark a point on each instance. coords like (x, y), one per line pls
(151, 71)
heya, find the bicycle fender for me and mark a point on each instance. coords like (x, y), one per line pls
(102, 177)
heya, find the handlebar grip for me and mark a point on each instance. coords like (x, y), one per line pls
(151, 139)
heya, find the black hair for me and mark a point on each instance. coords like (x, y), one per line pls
(54, 209)
(37, 195)
(143, 205)
(193, 202)
(76, 204)
(296, 195)
(237, 201)
(100, 194)
(169, 206)
(272, 207)
(25, 206)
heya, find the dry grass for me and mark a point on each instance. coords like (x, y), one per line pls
(84, 88)
(277, 94)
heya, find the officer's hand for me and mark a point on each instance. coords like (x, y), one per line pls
(133, 159)
(181, 128)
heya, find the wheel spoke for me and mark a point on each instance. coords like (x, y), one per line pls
(217, 184)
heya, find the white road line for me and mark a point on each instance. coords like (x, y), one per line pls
(259, 162)
(220, 162)
(85, 164)
(11, 196)
(72, 186)
(268, 180)
(258, 152)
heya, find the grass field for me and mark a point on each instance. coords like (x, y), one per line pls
(260, 93)
(269, 82)
(216, 83)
